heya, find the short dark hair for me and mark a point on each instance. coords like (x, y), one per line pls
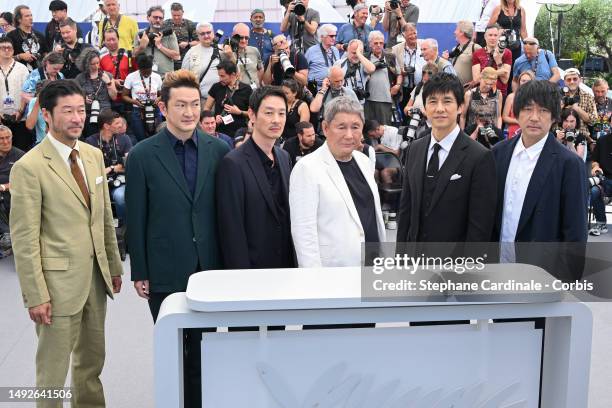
(54, 57)
(8, 16)
(110, 30)
(494, 25)
(567, 112)
(228, 66)
(107, 117)
(541, 92)
(370, 125)
(178, 79)
(144, 61)
(206, 114)
(441, 84)
(68, 22)
(155, 8)
(5, 39)
(301, 126)
(176, 7)
(263, 92)
(47, 99)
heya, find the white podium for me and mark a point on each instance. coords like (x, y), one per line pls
(485, 364)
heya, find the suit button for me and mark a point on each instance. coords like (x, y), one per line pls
(194, 239)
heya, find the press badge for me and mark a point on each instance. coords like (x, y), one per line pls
(253, 86)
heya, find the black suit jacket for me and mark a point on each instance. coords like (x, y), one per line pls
(462, 209)
(169, 232)
(555, 206)
(249, 224)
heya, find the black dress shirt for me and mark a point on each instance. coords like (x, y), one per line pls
(187, 156)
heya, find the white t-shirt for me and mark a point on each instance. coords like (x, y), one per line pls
(391, 138)
(483, 22)
(150, 90)
(11, 101)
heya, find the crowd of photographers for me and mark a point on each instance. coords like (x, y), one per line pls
(377, 59)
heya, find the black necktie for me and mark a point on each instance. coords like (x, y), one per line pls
(434, 162)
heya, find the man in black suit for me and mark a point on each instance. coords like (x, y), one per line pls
(449, 182)
(170, 199)
(253, 191)
(542, 193)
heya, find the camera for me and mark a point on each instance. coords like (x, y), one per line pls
(336, 92)
(95, 111)
(286, 64)
(351, 3)
(9, 119)
(487, 132)
(502, 43)
(413, 124)
(570, 135)
(361, 93)
(152, 36)
(148, 116)
(596, 179)
(394, 4)
(380, 64)
(567, 99)
(116, 180)
(601, 129)
(299, 9)
(233, 42)
(218, 36)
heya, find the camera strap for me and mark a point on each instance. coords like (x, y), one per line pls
(325, 55)
(244, 65)
(147, 91)
(117, 61)
(215, 54)
(6, 75)
(460, 51)
(107, 22)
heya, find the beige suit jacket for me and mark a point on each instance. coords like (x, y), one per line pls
(55, 236)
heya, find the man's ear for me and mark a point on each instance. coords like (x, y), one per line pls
(252, 115)
(163, 108)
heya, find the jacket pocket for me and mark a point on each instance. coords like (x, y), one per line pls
(55, 264)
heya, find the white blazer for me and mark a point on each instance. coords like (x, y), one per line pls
(325, 225)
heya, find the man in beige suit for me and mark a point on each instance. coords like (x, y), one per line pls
(65, 247)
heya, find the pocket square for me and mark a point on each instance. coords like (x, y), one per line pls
(455, 177)
(99, 179)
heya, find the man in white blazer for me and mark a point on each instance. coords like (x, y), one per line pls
(333, 197)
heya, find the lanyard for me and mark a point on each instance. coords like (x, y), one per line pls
(147, 91)
(114, 142)
(246, 70)
(411, 55)
(456, 57)
(537, 61)
(332, 58)
(6, 75)
(484, 5)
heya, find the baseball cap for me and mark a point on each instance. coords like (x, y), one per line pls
(571, 71)
(56, 5)
(360, 7)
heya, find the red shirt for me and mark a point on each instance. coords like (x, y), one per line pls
(481, 57)
(108, 63)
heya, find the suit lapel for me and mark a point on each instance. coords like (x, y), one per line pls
(204, 163)
(418, 175)
(454, 159)
(90, 173)
(165, 154)
(537, 181)
(285, 169)
(60, 168)
(261, 179)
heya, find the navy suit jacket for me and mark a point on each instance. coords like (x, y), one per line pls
(555, 206)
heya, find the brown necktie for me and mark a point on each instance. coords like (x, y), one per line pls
(78, 175)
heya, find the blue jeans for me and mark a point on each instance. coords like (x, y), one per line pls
(597, 202)
(138, 125)
(118, 195)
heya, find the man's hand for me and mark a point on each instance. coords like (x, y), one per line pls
(218, 119)
(445, 54)
(144, 40)
(183, 44)
(158, 39)
(233, 109)
(116, 280)
(359, 51)
(497, 57)
(274, 59)
(325, 85)
(41, 314)
(27, 56)
(142, 288)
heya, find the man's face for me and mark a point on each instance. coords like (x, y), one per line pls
(343, 133)
(569, 122)
(457, 33)
(111, 42)
(116, 126)
(225, 78)
(531, 49)
(69, 35)
(269, 121)
(491, 37)
(352, 53)
(209, 125)
(53, 69)
(111, 7)
(428, 52)
(572, 81)
(600, 91)
(377, 44)
(156, 19)
(6, 50)
(487, 83)
(410, 35)
(307, 137)
(535, 121)
(329, 40)
(121, 127)
(361, 17)
(258, 20)
(177, 16)
(442, 110)
(59, 15)
(405, 3)
(524, 79)
(206, 36)
(6, 142)
(336, 80)
(244, 33)
(280, 43)
(182, 110)
(26, 18)
(67, 118)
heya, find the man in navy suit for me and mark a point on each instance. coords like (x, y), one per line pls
(542, 194)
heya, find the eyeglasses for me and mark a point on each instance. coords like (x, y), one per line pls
(157, 17)
(530, 43)
(243, 37)
(571, 79)
(203, 33)
(331, 35)
(430, 73)
(6, 48)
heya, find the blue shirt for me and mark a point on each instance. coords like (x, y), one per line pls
(29, 86)
(263, 42)
(226, 139)
(348, 32)
(542, 68)
(187, 156)
(41, 125)
(319, 64)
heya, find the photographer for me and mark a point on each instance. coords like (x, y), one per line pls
(429, 51)
(183, 29)
(248, 59)
(385, 82)
(70, 48)
(59, 12)
(383, 139)
(323, 55)
(229, 98)
(161, 45)
(461, 55)
(332, 87)
(115, 147)
(496, 55)
(126, 26)
(416, 97)
(30, 45)
(203, 58)
(484, 131)
(601, 182)
(569, 135)
(12, 77)
(292, 65)
(578, 100)
(142, 89)
(603, 124)
(397, 14)
(484, 101)
(261, 38)
(51, 69)
(408, 54)
(357, 30)
(117, 62)
(300, 23)
(305, 143)
(8, 156)
(542, 62)
(356, 68)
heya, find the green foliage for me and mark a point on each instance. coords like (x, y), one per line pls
(587, 27)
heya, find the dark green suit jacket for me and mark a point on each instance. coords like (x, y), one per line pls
(171, 234)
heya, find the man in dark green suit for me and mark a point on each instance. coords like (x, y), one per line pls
(171, 213)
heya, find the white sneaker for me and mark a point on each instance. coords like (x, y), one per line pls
(603, 228)
(596, 231)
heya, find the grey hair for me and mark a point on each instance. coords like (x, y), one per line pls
(6, 129)
(343, 104)
(326, 29)
(375, 34)
(409, 25)
(204, 24)
(466, 27)
(354, 40)
(433, 43)
(85, 57)
(155, 8)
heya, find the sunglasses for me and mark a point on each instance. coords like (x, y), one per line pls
(243, 37)
(202, 34)
(331, 35)
(530, 43)
(571, 79)
(430, 73)
(157, 17)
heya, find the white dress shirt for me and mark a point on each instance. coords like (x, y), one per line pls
(64, 152)
(445, 146)
(521, 168)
